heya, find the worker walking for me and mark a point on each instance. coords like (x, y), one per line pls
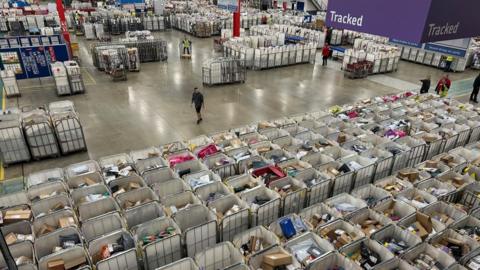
(186, 45)
(426, 84)
(197, 101)
(325, 54)
(476, 88)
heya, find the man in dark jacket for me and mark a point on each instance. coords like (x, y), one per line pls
(476, 88)
(197, 100)
(426, 84)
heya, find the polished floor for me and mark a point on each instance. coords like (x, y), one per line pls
(153, 106)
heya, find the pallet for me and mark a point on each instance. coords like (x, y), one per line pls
(186, 56)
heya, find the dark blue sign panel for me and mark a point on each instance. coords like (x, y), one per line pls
(444, 49)
(32, 62)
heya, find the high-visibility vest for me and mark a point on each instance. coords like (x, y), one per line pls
(186, 43)
(450, 58)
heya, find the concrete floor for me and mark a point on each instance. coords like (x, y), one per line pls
(153, 106)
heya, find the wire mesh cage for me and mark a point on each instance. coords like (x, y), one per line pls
(51, 204)
(292, 192)
(158, 176)
(140, 214)
(122, 258)
(54, 221)
(318, 215)
(442, 258)
(45, 190)
(220, 256)
(444, 239)
(345, 204)
(199, 228)
(392, 234)
(264, 205)
(333, 259)
(43, 245)
(183, 264)
(371, 194)
(159, 241)
(318, 185)
(223, 71)
(170, 188)
(102, 225)
(341, 181)
(383, 255)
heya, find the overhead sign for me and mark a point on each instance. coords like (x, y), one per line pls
(416, 21)
(456, 47)
(449, 20)
(32, 62)
(231, 5)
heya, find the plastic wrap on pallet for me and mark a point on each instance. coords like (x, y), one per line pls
(13, 144)
(9, 83)
(68, 129)
(40, 134)
(61, 78)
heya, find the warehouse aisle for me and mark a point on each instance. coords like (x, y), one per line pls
(153, 106)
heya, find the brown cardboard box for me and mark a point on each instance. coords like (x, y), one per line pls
(277, 259)
(429, 138)
(421, 231)
(75, 262)
(333, 171)
(413, 176)
(58, 206)
(89, 181)
(341, 138)
(56, 265)
(66, 222)
(447, 159)
(10, 238)
(119, 191)
(431, 164)
(403, 174)
(425, 221)
(46, 229)
(267, 267)
(12, 216)
(133, 185)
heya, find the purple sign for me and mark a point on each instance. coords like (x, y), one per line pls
(417, 21)
(402, 20)
(452, 20)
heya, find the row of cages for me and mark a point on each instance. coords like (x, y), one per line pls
(317, 183)
(267, 58)
(379, 66)
(117, 26)
(41, 133)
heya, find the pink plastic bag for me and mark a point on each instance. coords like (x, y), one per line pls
(207, 151)
(179, 159)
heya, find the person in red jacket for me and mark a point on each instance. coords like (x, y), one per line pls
(443, 86)
(325, 54)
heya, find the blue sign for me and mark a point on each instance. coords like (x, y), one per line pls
(231, 5)
(26, 41)
(33, 62)
(446, 50)
(405, 43)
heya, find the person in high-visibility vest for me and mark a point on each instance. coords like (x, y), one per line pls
(448, 63)
(186, 45)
